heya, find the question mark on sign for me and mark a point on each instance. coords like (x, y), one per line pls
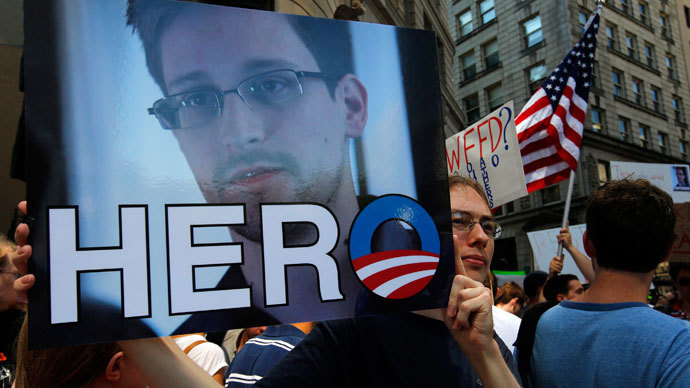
(510, 116)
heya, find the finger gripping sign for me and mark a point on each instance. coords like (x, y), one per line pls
(399, 273)
(490, 144)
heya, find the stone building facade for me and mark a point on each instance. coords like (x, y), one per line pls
(637, 106)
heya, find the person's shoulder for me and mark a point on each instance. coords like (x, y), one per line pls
(503, 315)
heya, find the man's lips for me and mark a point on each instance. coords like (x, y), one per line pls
(474, 261)
(249, 176)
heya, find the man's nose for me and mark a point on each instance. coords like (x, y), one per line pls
(240, 126)
(477, 236)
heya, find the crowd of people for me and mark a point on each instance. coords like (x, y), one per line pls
(462, 344)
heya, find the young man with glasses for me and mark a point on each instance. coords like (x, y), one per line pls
(680, 275)
(609, 336)
(415, 350)
(263, 110)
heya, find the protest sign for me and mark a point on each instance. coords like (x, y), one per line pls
(681, 247)
(223, 168)
(488, 152)
(672, 178)
(545, 247)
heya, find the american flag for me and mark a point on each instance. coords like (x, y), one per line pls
(549, 127)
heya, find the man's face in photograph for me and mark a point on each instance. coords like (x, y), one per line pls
(259, 149)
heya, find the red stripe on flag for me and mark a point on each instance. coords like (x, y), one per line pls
(548, 180)
(363, 261)
(410, 289)
(381, 277)
(532, 109)
(536, 146)
(541, 163)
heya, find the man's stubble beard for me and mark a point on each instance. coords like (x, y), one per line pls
(321, 188)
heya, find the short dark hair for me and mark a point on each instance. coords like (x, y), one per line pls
(508, 292)
(330, 43)
(533, 281)
(557, 285)
(675, 268)
(459, 180)
(630, 224)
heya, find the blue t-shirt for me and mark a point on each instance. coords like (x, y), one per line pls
(610, 345)
(260, 354)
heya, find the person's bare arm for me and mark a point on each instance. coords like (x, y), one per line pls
(163, 364)
(581, 260)
(469, 320)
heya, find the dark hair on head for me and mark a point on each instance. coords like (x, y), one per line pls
(510, 291)
(61, 367)
(675, 268)
(459, 180)
(630, 223)
(557, 285)
(533, 282)
(329, 42)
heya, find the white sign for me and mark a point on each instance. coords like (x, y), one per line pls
(672, 178)
(488, 152)
(545, 247)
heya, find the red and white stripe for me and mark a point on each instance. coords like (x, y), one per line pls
(550, 141)
(396, 274)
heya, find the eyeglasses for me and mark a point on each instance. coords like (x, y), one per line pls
(199, 107)
(463, 222)
(16, 275)
(684, 282)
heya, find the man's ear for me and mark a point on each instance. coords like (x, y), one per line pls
(355, 100)
(560, 297)
(589, 245)
(113, 372)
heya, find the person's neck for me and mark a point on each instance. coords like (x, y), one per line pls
(305, 327)
(615, 286)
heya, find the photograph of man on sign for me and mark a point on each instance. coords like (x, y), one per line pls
(279, 127)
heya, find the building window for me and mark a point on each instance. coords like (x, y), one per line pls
(469, 65)
(597, 124)
(625, 7)
(494, 95)
(683, 148)
(536, 75)
(663, 142)
(631, 45)
(472, 108)
(656, 100)
(623, 129)
(665, 27)
(644, 17)
(532, 31)
(551, 194)
(617, 83)
(486, 7)
(637, 90)
(611, 37)
(582, 20)
(491, 58)
(465, 23)
(649, 54)
(604, 170)
(677, 104)
(670, 66)
(643, 135)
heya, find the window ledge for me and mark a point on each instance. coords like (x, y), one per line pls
(480, 74)
(534, 48)
(634, 60)
(475, 32)
(643, 108)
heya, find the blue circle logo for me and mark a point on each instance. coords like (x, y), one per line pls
(397, 273)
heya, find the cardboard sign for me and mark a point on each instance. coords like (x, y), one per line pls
(672, 178)
(488, 152)
(681, 248)
(545, 247)
(222, 168)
